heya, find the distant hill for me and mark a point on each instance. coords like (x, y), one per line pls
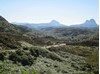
(87, 24)
(55, 24)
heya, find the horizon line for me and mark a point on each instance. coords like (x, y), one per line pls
(14, 22)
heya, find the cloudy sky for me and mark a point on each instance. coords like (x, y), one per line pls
(42, 11)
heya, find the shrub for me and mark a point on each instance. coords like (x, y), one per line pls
(35, 51)
(20, 52)
(21, 57)
(26, 60)
(2, 56)
(25, 48)
(14, 57)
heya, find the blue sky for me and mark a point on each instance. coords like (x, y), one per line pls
(41, 11)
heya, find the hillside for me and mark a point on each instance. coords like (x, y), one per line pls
(71, 35)
(10, 34)
(49, 50)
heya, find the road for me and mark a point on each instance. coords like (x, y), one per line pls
(44, 47)
(54, 46)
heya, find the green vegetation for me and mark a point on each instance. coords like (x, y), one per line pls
(90, 55)
(48, 51)
(21, 57)
(2, 56)
(7, 68)
(54, 60)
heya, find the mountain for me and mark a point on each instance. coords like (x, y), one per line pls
(11, 34)
(3, 19)
(5, 26)
(87, 24)
(53, 23)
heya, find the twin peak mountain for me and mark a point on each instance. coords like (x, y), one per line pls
(87, 24)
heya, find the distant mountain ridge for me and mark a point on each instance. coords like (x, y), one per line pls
(53, 23)
(87, 24)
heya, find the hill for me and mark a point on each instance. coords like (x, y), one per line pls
(87, 24)
(10, 35)
(55, 24)
(48, 50)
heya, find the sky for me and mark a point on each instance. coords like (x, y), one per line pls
(42, 11)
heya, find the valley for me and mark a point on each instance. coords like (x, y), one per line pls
(52, 49)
